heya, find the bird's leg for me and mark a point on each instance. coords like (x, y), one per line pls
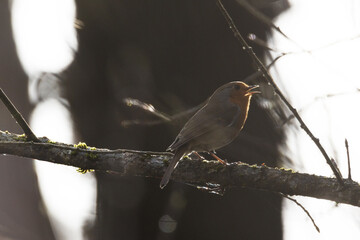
(198, 155)
(217, 158)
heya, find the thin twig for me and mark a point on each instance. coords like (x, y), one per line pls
(129, 123)
(318, 98)
(130, 102)
(260, 16)
(304, 209)
(267, 21)
(147, 107)
(260, 42)
(264, 19)
(30, 136)
(163, 117)
(334, 163)
(270, 80)
(348, 158)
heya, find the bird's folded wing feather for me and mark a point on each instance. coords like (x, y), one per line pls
(205, 121)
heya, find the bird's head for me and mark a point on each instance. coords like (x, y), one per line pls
(241, 93)
(236, 92)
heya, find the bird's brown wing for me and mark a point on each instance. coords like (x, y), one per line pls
(206, 120)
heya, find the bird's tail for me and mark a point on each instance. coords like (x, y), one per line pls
(173, 163)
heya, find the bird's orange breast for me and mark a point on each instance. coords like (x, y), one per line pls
(244, 104)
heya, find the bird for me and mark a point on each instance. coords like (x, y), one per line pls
(213, 126)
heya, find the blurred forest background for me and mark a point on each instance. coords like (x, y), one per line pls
(172, 54)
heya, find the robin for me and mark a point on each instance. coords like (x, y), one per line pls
(214, 126)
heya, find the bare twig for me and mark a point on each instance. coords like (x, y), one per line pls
(163, 117)
(260, 16)
(147, 107)
(348, 158)
(130, 102)
(18, 117)
(128, 123)
(331, 95)
(253, 38)
(197, 172)
(334, 163)
(334, 43)
(270, 80)
(303, 208)
(267, 21)
(260, 42)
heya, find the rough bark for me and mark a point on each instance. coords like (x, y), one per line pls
(200, 173)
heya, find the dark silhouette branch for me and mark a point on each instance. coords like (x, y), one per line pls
(348, 158)
(197, 172)
(261, 67)
(18, 117)
(163, 117)
(304, 209)
(317, 99)
(261, 17)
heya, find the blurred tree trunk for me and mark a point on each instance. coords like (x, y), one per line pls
(22, 214)
(172, 54)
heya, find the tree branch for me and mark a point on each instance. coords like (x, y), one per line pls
(18, 117)
(153, 164)
(304, 209)
(261, 67)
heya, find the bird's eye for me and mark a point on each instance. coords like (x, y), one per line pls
(237, 87)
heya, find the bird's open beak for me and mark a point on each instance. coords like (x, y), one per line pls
(249, 91)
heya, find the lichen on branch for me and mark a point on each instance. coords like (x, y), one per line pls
(196, 172)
